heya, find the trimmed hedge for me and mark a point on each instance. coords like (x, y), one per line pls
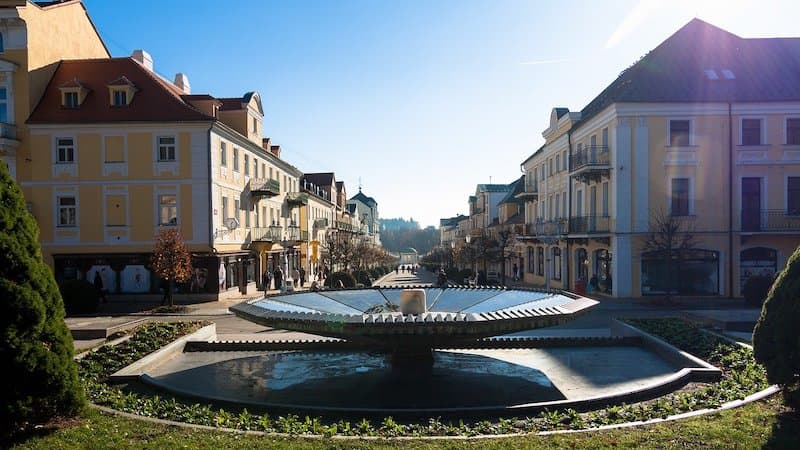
(333, 280)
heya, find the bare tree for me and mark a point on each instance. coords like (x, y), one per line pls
(171, 260)
(670, 238)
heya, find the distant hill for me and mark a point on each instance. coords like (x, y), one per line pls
(399, 224)
(397, 239)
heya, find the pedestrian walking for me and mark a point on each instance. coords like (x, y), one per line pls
(100, 287)
(302, 276)
(266, 280)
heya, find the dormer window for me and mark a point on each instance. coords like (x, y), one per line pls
(120, 98)
(70, 100)
(120, 92)
(73, 93)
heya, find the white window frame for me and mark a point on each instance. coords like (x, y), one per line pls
(691, 194)
(161, 208)
(74, 208)
(168, 166)
(167, 147)
(65, 167)
(70, 94)
(119, 94)
(157, 194)
(762, 131)
(223, 154)
(691, 131)
(786, 129)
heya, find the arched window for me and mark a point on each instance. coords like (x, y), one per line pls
(757, 261)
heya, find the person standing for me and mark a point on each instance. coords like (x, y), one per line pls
(302, 276)
(266, 280)
(278, 278)
(99, 285)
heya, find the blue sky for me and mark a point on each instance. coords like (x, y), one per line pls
(420, 100)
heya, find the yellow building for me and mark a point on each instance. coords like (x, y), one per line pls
(703, 132)
(33, 39)
(119, 153)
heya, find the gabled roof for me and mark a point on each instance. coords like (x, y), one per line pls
(369, 201)
(236, 103)
(516, 187)
(156, 101)
(492, 188)
(763, 70)
(320, 179)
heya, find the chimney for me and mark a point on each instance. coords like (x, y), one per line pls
(265, 143)
(182, 83)
(276, 150)
(143, 58)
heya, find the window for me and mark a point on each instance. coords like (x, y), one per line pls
(65, 151)
(237, 209)
(558, 204)
(793, 196)
(556, 263)
(235, 159)
(2, 44)
(679, 133)
(530, 260)
(605, 139)
(3, 105)
(604, 207)
(558, 163)
(166, 148)
(224, 208)
(539, 260)
(679, 205)
(120, 98)
(255, 168)
(247, 165)
(550, 167)
(167, 210)
(70, 100)
(751, 131)
(564, 159)
(67, 212)
(792, 131)
(223, 154)
(255, 125)
(246, 213)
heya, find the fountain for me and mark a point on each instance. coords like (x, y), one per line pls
(419, 351)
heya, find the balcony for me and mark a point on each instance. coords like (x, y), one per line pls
(266, 234)
(321, 223)
(589, 224)
(771, 220)
(530, 193)
(265, 187)
(344, 226)
(590, 163)
(295, 199)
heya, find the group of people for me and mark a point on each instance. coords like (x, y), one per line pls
(403, 268)
(298, 274)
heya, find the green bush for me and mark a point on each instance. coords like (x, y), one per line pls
(80, 297)
(375, 273)
(363, 277)
(756, 288)
(333, 280)
(776, 338)
(36, 347)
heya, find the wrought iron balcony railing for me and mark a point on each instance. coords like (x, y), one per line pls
(771, 220)
(590, 156)
(589, 224)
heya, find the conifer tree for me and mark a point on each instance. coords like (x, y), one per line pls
(36, 349)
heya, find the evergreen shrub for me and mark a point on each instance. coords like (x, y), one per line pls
(80, 297)
(776, 338)
(36, 347)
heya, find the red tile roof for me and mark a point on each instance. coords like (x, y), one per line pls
(156, 99)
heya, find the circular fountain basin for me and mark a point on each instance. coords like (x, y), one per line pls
(451, 315)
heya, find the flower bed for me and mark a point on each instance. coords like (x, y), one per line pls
(741, 377)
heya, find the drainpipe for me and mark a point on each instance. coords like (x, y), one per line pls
(730, 201)
(568, 212)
